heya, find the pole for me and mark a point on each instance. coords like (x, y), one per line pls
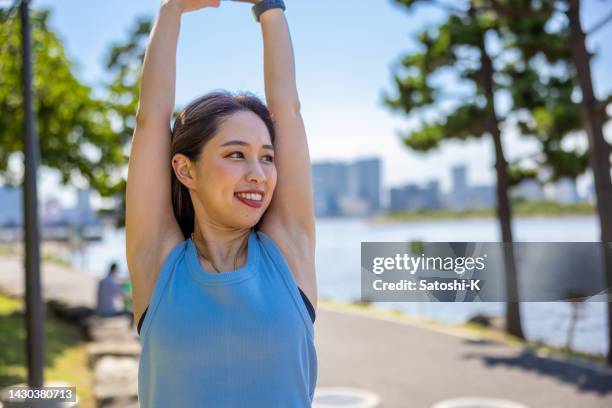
(34, 306)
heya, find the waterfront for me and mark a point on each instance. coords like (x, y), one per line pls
(338, 268)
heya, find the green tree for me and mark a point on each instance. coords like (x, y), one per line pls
(553, 67)
(461, 45)
(541, 81)
(75, 133)
(594, 116)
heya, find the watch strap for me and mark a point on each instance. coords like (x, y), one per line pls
(265, 5)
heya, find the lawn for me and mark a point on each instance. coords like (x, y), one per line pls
(65, 351)
(519, 209)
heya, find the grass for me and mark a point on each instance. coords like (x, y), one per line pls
(65, 351)
(488, 333)
(519, 209)
(48, 253)
(535, 346)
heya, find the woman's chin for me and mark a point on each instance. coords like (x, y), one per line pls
(245, 222)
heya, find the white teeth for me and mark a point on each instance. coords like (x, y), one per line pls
(251, 196)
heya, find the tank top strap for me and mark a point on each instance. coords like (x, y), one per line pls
(271, 250)
(162, 280)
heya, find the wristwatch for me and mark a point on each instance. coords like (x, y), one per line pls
(265, 5)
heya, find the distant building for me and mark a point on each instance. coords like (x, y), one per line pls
(464, 196)
(482, 196)
(83, 213)
(591, 197)
(330, 181)
(52, 212)
(415, 197)
(366, 175)
(529, 190)
(565, 191)
(347, 188)
(459, 195)
(11, 204)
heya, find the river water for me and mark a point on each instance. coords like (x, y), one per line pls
(339, 267)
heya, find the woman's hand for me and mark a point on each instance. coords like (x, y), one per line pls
(191, 5)
(248, 1)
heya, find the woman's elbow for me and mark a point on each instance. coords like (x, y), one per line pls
(285, 106)
(296, 106)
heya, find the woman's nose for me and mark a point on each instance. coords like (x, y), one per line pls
(256, 173)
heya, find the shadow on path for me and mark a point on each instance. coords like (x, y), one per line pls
(583, 378)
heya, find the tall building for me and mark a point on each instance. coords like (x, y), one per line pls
(330, 180)
(347, 188)
(366, 175)
(460, 191)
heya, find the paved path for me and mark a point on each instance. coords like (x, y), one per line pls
(411, 366)
(407, 365)
(58, 282)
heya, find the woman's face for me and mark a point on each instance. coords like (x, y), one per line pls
(235, 175)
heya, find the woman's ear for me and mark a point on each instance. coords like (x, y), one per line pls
(182, 167)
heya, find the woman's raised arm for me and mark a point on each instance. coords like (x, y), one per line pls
(291, 213)
(151, 228)
(292, 201)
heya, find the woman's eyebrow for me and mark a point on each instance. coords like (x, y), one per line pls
(241, 143)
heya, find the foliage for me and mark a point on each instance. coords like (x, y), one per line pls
(545, 86)
(124, 61)
(533, 66)
(455, 46)
(79, 135)
(74, 128)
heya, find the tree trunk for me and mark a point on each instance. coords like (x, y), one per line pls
(599, 150)
(513, 313)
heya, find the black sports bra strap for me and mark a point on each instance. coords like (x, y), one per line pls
(311, 311)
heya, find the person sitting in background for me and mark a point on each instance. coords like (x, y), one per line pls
(111, 297)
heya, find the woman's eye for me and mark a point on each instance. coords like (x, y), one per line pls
(269, 158)
(236, 155)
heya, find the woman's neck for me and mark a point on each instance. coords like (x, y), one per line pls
(225, 249)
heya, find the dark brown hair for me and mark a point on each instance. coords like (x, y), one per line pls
(195, 125)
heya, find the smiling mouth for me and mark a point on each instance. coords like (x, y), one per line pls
(254, 200)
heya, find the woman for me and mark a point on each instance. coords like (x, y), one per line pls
(220, 245)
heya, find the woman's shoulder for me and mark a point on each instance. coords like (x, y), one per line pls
(295, 255)
(147, 272)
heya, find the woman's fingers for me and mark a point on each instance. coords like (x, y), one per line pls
(191, 5)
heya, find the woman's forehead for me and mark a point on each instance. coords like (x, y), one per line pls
(245, 127)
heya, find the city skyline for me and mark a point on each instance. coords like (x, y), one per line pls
(340, 188)
(583, 190)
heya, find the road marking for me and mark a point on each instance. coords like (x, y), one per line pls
(346, 397)
(477, 402)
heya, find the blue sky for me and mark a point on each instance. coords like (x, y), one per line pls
(344, 53)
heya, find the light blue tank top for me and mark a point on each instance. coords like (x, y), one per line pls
(235, 339)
